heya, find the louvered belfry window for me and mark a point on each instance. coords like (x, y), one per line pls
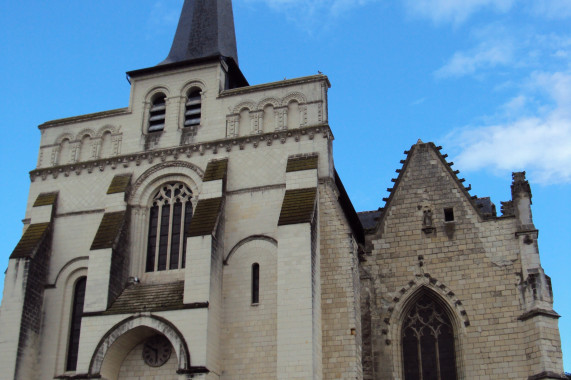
(170, 216)
(428, 342)
(193, 111)
(157, 113)
(75, 324)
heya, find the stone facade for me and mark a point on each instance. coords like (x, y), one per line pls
(234, 239)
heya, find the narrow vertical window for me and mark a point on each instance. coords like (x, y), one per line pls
(157, 113)
(428, 342)
(75, 324)
(255, 283)
(193, 111)
(169, 218)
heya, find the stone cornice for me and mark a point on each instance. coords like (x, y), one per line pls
(82, 118)
(538, 312)
(271, 85)
(173, 153)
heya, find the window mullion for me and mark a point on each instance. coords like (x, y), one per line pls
(172, 216)
(420, 372)
(157, 246)
(437, 356)
(181, 242)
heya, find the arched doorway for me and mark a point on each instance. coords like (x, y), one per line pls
(141, 347)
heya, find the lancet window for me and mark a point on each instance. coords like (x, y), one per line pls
(75, 325)
(428, 342)
(170, 215)
(255, 283)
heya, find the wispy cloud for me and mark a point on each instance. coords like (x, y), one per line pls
(539, 143)
(455, 11)
(310, 15)
(512, 47)
(487, 54)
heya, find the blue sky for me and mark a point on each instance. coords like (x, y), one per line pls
(489, 80)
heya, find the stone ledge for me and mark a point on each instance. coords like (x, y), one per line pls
(547, 375)
(536, 312)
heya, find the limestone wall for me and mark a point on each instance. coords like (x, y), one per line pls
(470, 264)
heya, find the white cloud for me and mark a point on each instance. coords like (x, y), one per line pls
(455, 11)
(540, 144)
(486, 55)
(556, 9)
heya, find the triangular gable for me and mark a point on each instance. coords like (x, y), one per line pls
(414, 150)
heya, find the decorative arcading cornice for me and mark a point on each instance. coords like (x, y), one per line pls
(173, 153)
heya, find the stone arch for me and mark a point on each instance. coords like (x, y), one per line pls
(154, 91)
(266, 102)
(64, 136)
(297, 96)
(64, 283)
(249, 291)
(269, 115)
(250, 106)
(410, 294)
(141, 198)
(260, 241)
(87, 131)
(169, 171)
(107, 128)
(127, 334)
(195, 83)
(86, 145)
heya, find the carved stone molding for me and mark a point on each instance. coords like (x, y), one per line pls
(212, 147)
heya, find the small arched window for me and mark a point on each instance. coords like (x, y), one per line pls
(75, 324)
(170, 216)
(157, 113)
(255, 283)
(193, 111)
(428, 342)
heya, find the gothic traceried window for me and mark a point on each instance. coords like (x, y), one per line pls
(170, 216)
(428, 342)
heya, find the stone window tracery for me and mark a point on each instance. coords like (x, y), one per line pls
(170, 215)
(428, 342)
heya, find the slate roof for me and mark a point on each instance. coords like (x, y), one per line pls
(30, 241)
(297, 206)
(119, 184)
(109, 230)
(205, 29)
(215, 170)
(204, 217)
(46, 199)
(369, 219)
(486, 206)
(137, 298)
(301, 163)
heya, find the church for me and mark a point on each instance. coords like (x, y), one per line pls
(202, 232)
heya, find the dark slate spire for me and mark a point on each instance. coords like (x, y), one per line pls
(205, 29)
